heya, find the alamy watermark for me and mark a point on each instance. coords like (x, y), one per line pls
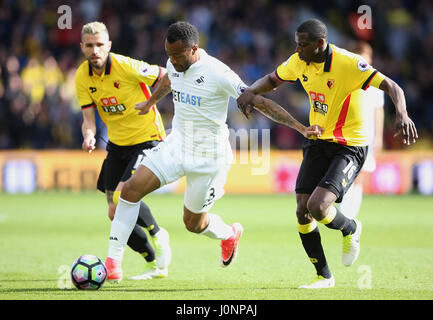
(64, 281)
(365, 279)
(365, 19)
(198, 146)
(65, 20)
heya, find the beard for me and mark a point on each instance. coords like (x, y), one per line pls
(99, 64)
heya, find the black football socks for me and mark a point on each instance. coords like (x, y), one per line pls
(139, 242)
(312, 244)
(146, 219)
(336, 220)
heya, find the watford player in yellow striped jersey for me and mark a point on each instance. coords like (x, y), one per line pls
(112, 84)
(334, 80)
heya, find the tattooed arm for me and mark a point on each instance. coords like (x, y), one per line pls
(162, 89)
(275, 112)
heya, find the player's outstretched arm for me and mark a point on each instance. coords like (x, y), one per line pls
(275, 112)
(88, 129)
(262, 85)
(161, 90)
(404, 126)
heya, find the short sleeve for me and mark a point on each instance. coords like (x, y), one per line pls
(83, 95)
(374, 80)
(231, 83)
(288, 70)
(144, 72)
(365, 75)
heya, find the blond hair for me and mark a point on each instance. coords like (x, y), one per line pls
(93, 28)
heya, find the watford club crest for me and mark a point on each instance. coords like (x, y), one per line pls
(116, 84)
(330, 83)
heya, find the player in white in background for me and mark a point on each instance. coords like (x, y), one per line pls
(374, 101)
(197, 147)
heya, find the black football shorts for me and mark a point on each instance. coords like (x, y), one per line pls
(329, 165)
(120, 163)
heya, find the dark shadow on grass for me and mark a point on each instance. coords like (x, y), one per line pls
(127, 289)
(31, 290)
(27, 280)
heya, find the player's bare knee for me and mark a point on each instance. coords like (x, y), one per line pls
(194, 222)
(317, 209)
(129, 193)
(190, 224)
(303, 215)
(193, 226)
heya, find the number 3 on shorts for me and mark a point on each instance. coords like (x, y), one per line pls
(210, 198)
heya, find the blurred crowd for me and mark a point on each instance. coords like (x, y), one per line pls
(39, 109)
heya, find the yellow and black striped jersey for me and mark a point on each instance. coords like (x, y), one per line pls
(335, 89)
(124, 83)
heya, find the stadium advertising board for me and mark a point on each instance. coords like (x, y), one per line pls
(27, 171)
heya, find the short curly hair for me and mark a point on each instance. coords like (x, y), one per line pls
(315, 28)
(183, 31)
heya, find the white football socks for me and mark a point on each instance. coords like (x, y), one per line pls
(351, 203)
(217, 229)
(122, 225)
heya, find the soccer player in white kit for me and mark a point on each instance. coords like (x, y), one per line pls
(198, 146)
(374, 101)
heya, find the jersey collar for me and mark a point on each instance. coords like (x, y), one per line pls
(328, 59)
(199, 62)
(107, 66)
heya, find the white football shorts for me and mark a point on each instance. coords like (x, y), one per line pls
(205, 178)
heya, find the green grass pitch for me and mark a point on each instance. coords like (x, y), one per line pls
(43, 233)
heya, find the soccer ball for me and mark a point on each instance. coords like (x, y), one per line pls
(88, 272)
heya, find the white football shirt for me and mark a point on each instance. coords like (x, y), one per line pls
(200, 96)
(374, 98)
